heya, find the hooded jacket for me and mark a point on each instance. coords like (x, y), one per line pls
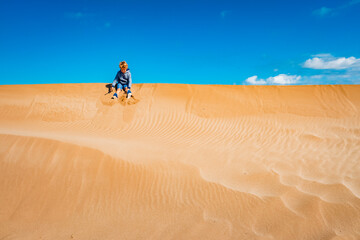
(123, 78)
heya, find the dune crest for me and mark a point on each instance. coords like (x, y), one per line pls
(180, 162)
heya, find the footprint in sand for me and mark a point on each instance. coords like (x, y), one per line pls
(108, 100)
(128, 101)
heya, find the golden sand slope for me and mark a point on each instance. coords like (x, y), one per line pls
(185, 162)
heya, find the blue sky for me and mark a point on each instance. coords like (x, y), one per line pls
(200, 42)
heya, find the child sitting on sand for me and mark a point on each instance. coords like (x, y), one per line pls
(122, 80)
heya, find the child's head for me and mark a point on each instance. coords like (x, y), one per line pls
(123, 66)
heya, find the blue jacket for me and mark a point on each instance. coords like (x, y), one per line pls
(123, 78)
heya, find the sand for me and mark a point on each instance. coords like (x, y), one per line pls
(180, 162)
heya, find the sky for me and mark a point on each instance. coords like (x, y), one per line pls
(261, 42)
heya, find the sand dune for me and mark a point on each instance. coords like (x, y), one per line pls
(180, 162)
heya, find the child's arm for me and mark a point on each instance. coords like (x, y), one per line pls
(130, 80)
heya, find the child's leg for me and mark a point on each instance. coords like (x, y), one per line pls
(118, 89)
(125, 88)
(128, 92)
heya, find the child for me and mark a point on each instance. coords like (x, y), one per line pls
(122, 80)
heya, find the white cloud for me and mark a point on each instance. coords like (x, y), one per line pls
(349, 74)
(327, 61)
(254, 80)
(279, 79)
(284, 79)
(323, 11)
(323, 55)
(320, 76)
(330, 66)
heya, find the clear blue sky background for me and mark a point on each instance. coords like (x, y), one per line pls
(199, 41)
